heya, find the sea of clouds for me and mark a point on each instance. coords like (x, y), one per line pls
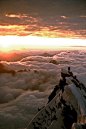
(35, 77)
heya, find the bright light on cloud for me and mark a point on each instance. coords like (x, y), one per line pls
(18, 16)
(4, 45)
(83, 16)
(64, 17)
(15, 42)
(29, 19)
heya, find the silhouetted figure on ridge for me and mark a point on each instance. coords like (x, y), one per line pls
(70, 71)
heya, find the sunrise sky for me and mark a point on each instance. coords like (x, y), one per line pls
(36, 24)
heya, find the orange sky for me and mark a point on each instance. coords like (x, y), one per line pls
(42, 24)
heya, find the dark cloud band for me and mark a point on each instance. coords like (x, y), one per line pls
(65, 16)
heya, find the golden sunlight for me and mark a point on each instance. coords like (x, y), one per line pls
(4, 45)
(9, 43)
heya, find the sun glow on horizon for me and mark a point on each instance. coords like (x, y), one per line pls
(9, 43)
(4, 45)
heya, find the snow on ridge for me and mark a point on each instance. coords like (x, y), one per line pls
(79, 97)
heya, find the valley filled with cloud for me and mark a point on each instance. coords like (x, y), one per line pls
(26, 83)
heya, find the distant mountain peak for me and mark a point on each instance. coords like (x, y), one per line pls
(45, 54)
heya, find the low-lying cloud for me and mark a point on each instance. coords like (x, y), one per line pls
(35, 77)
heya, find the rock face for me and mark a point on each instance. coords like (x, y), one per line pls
(67, 110)
(74, 95)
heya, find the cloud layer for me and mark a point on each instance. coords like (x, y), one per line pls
(51, 18)
(21, 94)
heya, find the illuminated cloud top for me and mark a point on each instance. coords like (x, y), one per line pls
(47, 18)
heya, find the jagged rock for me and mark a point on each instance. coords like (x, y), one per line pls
(67, 109)
(79, 126)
